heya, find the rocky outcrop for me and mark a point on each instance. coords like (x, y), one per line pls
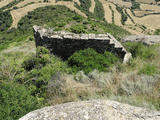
(92, 110)
(145, 39)
(64, 44)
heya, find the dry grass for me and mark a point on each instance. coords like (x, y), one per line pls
(91, 9)
(66, 88)
(146, 1)
(141, 13)
(147, 20)
(107, 11)
(5, 2)
(121, 3)
(25, 2)
(117, 15)
(155, 8)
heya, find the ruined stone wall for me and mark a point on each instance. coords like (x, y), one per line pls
(64, 44)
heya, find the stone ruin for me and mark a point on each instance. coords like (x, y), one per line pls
(64, 44)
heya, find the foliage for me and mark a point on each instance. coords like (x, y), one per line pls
(41, 59)
(112, 13)
(78, 29)
(89, 59)
(141, 50)
(98, 11)
(39, 70)
(135, 5)
(14, 2)
(84, 6)
(15, 101)
(63, 19)
(123, 15)
(157, 32)
(5, 20)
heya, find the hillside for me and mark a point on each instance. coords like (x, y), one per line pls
(32, 78)
(133, 15)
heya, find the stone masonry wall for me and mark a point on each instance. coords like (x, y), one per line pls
(64, 44)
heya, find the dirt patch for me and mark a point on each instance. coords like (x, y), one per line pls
(91, 9)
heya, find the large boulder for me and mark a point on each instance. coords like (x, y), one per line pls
(92, 110)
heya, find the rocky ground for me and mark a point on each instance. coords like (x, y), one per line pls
(92, 110)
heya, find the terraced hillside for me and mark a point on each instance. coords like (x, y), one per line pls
(136, 16)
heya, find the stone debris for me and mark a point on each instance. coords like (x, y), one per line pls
(92, 110)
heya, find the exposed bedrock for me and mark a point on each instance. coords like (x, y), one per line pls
(64, 44)
(92, 110)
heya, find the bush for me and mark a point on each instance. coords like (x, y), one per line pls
(41, 59)
(89, 59)
(78, 29)
(15, 101)
(39, 70)
(141, 50)
(157, 32)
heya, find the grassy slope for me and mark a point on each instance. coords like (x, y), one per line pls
(125, 83)
(60, 18)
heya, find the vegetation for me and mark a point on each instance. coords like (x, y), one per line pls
(98, 7)
(157, 32)
(123, 15)
(84, 6)
(15, 101)
(88, 60)
(5, 20)
(61, 16)
(31, 79)
(135, 5)
(11, 4)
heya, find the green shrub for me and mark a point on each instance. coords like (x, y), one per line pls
(157, 32)
(135, 5)
(15, 101)
(89, 59)
(123, 15)
(78, 29)
(141, 50)
(77, 18)
(39, 70)
(41, 59)
(98, 10)
(84, 6)
(5, 20)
